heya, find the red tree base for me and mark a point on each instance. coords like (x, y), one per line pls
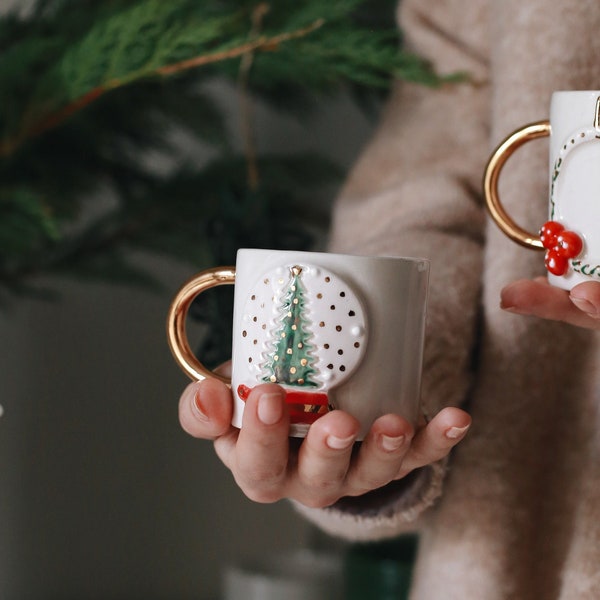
(305, 407)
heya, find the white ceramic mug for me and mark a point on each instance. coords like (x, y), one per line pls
(571, 237)
(335, 331)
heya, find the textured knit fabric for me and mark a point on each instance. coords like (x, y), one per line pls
(515, 512)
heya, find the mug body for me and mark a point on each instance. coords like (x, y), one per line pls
(575, 179)
(335, 331)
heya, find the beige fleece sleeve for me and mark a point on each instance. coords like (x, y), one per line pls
(416, 192)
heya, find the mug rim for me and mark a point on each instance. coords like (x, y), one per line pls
(575, 92)
(344, 256)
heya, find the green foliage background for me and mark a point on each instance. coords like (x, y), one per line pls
(90, 88)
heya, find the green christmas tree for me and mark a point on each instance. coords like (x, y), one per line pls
(291, 361)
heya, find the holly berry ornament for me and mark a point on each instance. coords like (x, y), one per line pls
(561, 245)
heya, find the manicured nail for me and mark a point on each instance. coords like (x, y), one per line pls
(456, 432)
(585, 306)
(270, 408)
(338, 443)
(390, 443)
(198, 409)
(512, 309)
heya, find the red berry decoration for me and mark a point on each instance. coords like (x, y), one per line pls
(555, 263)
(550, 232)
(561, 245)
(570, 244)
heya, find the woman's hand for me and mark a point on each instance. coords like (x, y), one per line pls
(580, 306)
(326, 465)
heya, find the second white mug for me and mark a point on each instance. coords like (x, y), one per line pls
(571, 236)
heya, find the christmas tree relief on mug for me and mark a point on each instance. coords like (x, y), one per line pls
(571, 236)
(334, 331)
(305, 329)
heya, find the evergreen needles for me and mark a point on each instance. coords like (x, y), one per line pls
(89, 89)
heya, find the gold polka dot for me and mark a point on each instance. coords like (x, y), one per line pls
(289, 351)
(250, 360)
(332, 307)
(327, 279)
(300, 345)
(330, 366)
(264, 326)
(342, 294)
(255, 319)
(322, 324)
(244, 333)
(283, 334)
(326, 346)
(253, 297)
(338, 328)
(342, 368)
(289, 314)
(319, 296)
(293, 288)
(351, 313)
(281, 281)
(294, 327)
(273, 378)
(304, 362)
(276, 358)
(266, 282)
(301, 381)
(357, 344)
(255, 342)
(292, 370)
(295, 300)
(340, 352)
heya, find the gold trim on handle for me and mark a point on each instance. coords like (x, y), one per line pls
(490, 182)
(176, 318)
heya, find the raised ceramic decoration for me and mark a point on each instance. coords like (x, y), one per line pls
(304, 328)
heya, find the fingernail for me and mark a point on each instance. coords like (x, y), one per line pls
(198, 409)
(512, 309)
(585, 306)
(456, 432)
(338, 443)
(270, 408)
(390, 443)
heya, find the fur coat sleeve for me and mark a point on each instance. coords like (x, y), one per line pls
(517, 512)
(416, 192)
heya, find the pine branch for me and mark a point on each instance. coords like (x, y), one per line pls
(56, 118)
(90, 88)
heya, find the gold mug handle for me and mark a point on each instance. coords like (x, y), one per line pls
(176, 319)
(490, 182)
